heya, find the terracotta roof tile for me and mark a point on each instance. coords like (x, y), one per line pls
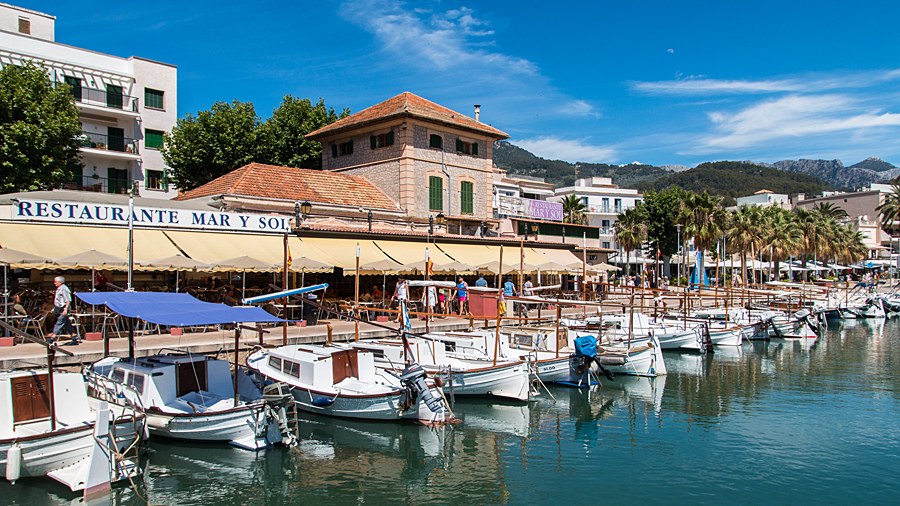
(272, 181)
(408, 105)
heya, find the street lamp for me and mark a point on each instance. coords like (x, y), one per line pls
(564, 234)
(369, 218)
(430, 224)
(680, 260)
(534, 230)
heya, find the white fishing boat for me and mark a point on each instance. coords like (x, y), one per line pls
(188, 397)
(47, 428)
(506, 379)
(337, 381)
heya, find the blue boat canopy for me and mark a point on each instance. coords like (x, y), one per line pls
(175, 309)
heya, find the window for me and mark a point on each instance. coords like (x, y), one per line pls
(156, 180)
(25, 26)
(154, 99)
(75, 84)
(292, 368)
(275, 363)
(136, 381)
(114, 96)
(153, 139)
(605, 206)
(466, 148)
(118, 376)
(618, 204)
(604, 224)
(435, 193)
(584, 200)
(435, 141)
(342, 149)
(117, 180)
(382, 140)
(467, 197)
(606, 244)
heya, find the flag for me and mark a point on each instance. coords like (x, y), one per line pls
(406, 326)
(290, 260)
(430, 267)
(501, 304)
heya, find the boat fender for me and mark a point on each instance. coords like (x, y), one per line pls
(14, 463)
(323, 402)
(606, 372)
(611, 360)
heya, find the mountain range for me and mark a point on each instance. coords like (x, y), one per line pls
(831, 173)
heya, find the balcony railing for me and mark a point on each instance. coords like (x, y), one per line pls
(91, 183)
(109, 142)
(105, 98)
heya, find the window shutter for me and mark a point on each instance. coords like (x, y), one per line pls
(389, 138)
(350, 147)
(372, 142)
(474, 149)
(435, 193)
(459, 146)
(334, 150)
(466, 197)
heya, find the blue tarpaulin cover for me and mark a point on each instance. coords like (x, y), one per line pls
(174, 309)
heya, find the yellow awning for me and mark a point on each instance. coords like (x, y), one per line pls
(409, 252)
(564, 257)
(471, 254)
(57, 241)
(213, 247)
(342, 252)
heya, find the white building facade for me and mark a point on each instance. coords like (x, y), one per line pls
(604, 201)
(125, 105)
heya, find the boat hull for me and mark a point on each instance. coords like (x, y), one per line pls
(508, 381)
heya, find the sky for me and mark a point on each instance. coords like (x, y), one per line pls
(659, 82)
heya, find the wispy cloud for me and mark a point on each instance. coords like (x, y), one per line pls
(579, 108)
(800, 84)
(793, 116)
(570, 150)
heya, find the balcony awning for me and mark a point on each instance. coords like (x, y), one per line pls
(57, 241)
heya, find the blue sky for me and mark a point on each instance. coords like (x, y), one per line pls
(659, 82)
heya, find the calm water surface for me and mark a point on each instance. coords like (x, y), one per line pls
(765, 423)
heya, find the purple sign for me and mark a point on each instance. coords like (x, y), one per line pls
(543, 210)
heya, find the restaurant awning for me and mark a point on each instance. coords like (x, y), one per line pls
(342, 252)
(470, 254)
(564, 257)
(56, 241)
(409, 252)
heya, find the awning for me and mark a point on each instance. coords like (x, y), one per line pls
(470, 254)
(564, 257)
(211, 247)
(174, 309)
(342, 252)
(409, 252)
(56, 241)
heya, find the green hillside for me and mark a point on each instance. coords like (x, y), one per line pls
(516, 160)
(737, 179)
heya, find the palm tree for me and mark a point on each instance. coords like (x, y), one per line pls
(829, 210)
(745, 233)
(783, 237)
(810, 225)
(889, 210)
(573, 209)
(703, 221)
(631, 232)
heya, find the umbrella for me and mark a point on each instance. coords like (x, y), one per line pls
(178, 263)
(383, 266)
(442, 268)
(11, 256)
(494, 267)
(603, 266)
(304, 264)
(243, 263)
(93, 259)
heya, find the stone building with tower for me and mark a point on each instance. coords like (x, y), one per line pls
(429, 159)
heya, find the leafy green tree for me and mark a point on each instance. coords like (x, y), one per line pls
(213, 143)
(659, 210)
(573, 209)
(38, 130)
(284, 133)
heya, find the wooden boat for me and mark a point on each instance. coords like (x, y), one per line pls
(337, 381)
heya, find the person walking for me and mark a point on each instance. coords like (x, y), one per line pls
(462, 292)
(429, 300)
(509, 289)
(62, 304)
(481, 281)
(401, 293)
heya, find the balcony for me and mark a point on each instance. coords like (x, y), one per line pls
(97, 184)
(109, 146)
(109, 102)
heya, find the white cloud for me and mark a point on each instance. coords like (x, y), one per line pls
(570, 150)
(700, 85)
(793, 116)
(670, 50)
(579, 108)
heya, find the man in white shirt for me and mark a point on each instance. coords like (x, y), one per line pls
(62, 303)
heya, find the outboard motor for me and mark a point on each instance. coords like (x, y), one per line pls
(413, 378)
(586, 352)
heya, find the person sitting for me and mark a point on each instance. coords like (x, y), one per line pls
(17, 306)
(229, 298)
(366, 297)
(377, 294)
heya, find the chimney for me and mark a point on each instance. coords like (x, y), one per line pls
(477, 112)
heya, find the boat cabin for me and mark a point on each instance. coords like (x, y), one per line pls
(322, 366)
(27, 397)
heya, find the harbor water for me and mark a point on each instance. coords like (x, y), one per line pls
(768, 422)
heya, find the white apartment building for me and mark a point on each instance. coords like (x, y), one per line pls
(125, 104)
(604, 201)
(765, 198)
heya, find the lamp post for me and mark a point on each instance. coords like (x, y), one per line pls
(130, 236)
(534, 229)
(430, 224)
(564, 234)
(680, 259)
(439, 219)
(369, 218)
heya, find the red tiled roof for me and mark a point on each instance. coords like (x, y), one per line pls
(408, 105)
(272, 181)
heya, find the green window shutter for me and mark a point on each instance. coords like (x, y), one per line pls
(459, 146)
(350, 147)
(389, 138)
(334, 150)
(153, 138)
(153, 98)
(436, 142)
(474, 149)
(466, 197)
(113, 96)
(372, 141)
(435, 193)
